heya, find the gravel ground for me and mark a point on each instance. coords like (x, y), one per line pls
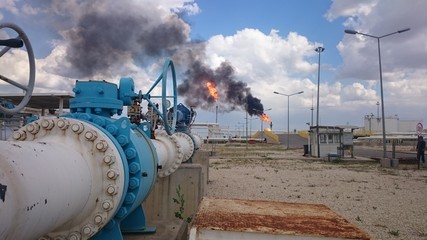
(387, 203)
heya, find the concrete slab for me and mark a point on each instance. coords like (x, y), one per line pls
(385, 162)
(175, 229)
(159, 205)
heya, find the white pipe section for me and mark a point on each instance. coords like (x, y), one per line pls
(39, 186)
(197, 140)
(186, 144)
(168, 151)
(172, 150)
(60, 178)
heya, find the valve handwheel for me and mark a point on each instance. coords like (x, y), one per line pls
(167, 114)
(8, 44)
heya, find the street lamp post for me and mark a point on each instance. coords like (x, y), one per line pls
(288, 95)
(349, 31)
(318, 50)
(250, 125)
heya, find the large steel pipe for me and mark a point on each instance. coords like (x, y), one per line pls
(172, 150)
(45, 185)
(60, 179)
(169, 152)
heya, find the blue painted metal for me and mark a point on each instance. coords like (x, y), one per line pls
(96, 97)
(184, 118)
(6, 104)
(165, 114)
(95, 102)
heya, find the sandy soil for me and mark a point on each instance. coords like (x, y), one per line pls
(387, 203)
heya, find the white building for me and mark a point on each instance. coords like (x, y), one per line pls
(332, 140)
(393, 124)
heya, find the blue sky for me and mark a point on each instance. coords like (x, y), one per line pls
(305, 17)
(269, 44)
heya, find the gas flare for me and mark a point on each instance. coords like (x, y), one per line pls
(265, 118)
(212, 90)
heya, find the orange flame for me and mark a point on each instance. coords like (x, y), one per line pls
(212, 90)
(265, 118)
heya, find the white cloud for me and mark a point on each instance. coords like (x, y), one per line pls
(403, 56)
(270, 62)
(349, 8)
(9, 5)
(15, 66)
(30, 10)
(257, 56)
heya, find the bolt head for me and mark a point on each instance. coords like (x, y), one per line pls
(133, 183)
(75, 236)
(102, 146)
(107, 205)
(123, 140)
(109, 159)
(19, 135)
(98, 219)
(112, 174)
(90, 135)
(130, 198)
(63, 124)
(77, 128)
(87, 230)
(130, 153)
(134, 167)
(112, 189)
(47, 124)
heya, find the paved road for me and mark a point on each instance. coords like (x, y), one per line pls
(378, 153)
(296, 141)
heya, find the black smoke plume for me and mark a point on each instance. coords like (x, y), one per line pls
(110, 33)
(234, 93)
(102, 41)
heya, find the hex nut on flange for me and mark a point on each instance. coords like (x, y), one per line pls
(91, 135)
(48, 124)
(63, 124)
(102, 145)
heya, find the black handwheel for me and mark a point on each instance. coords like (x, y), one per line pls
(32, 74)
(168, 113)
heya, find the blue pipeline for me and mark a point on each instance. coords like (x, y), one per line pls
(96, 102)
(140, 164)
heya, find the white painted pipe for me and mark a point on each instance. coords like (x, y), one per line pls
(172, 150)
(187, 145)
(61, 178)
(197, 140)
(168, 151)
(44, 188)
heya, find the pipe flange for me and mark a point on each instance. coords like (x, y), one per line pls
(175, 153)
(198, 140)
(187, 145)
(108, 174)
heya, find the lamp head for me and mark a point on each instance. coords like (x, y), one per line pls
(350, 31)
(319, 49)
(404, 30)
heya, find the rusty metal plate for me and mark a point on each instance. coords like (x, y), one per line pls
(279, 218)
